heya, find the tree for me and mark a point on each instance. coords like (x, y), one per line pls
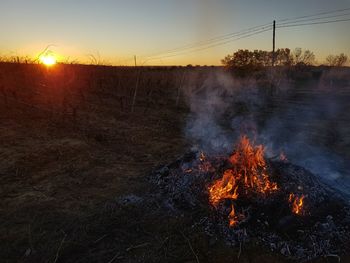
(331, 60)
(336, 60)
(257, 59)
(342, 59)
(240, 59)
(300, 57)
(283, 57)
(227, 61)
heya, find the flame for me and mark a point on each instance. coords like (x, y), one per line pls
(248, 173)
(233, 219)
(296, 203)
(224, 188)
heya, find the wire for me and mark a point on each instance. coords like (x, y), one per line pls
(314, 23)
(228, 38)
(318, 14)
(217, 42)
(210, 46)
(213, 40)
(245, 36)
(313, 19)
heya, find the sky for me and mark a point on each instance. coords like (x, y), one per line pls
(113, 31)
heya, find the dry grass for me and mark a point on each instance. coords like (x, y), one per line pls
(69, 145)
(56, 166)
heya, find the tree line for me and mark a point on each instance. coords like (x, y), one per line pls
(244, 58)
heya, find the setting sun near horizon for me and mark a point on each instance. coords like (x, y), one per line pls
(48, 59)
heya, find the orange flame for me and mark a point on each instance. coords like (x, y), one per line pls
(296, 203)
(248, 171)
(233, 220)
(224, 188)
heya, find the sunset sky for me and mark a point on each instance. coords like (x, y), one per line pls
(113, 31)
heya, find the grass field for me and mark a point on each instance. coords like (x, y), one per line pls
(74, 138)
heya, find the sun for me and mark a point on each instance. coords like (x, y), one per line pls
(48, 59)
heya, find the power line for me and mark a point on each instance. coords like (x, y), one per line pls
(227, 38)
(213, 40)
(210, 46)
(313, 19)
(314, 23)
(217, 41)
(248, 35)
(317, 14)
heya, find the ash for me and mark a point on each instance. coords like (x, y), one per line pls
(181, 189)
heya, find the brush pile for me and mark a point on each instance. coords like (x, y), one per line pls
(246, 198)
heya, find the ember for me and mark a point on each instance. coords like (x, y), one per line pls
(205, 165)
(296, 203)
(283, 157)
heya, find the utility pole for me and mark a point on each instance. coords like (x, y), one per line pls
(273, 42)
(135, 60)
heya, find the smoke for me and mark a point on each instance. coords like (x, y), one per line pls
(302, 114)
(208, 103)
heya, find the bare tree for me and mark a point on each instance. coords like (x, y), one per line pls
(342, 59)
(301, 57)
(331, 60)
(336, 60)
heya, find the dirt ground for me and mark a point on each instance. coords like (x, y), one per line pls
(71, 143)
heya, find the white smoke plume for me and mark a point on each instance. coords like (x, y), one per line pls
(304, 118)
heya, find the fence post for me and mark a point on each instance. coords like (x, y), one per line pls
(135, 93)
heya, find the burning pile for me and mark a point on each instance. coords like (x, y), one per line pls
(245, 195)
(247, 176)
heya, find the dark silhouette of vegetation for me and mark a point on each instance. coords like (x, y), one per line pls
(336, 60)
(255, 60)
(303, 57)
(245, 62)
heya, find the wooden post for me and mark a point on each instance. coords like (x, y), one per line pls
(273, 42)
(135, 60)
(135, 93)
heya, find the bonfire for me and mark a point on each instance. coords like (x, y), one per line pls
(246, 195)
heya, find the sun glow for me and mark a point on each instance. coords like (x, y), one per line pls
(48, 59)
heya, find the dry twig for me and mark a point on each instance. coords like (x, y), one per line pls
(137, 246)
(189, 244)
(59, 248)
(117, 256)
